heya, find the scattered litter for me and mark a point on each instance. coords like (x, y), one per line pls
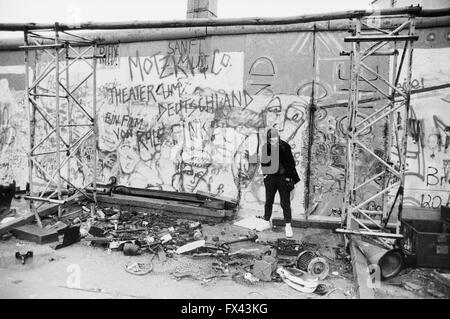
(442, 277)
(435, 293)
(262, 270)
(83, 232)
(335, 289)
(131, 249)
(306, 285)
(6, 236)
(254, 252)
(166, 238)
(198, 234)
(7, 220)
(24, 257)
(162, 255)
(253, 262)
(321, 290)
(288, 247)
(191, 246)
(138, 268)
(71, 236)
(96, 231)
(312, 263)
(412, 287)
(250, 278)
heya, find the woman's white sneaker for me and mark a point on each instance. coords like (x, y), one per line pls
(288, 230)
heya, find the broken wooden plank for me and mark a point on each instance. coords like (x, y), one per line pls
(53, 208)
(173, 207)
(215, 204)
(230, 203)
(159, 194)
(20, 221)
(199, 218)
(310, 222)
(29, 217)
(35, 234)
(59, 227)
(318, 221)
(443, 278)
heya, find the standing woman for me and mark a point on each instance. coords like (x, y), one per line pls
(278, 167)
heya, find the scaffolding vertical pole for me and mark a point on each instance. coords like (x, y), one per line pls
(69, 114)
(31, 127)
(351, 129)
(389, 133)
(405, 129)
(58, 128)
(94, 115)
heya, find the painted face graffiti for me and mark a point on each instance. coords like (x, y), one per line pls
(128, 156)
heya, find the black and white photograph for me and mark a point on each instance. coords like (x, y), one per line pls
(225, 154)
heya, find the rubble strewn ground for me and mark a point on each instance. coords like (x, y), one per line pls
(132, 254)
(413, 283)
(101, 265)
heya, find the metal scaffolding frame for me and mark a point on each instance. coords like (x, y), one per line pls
(391, 177)
(60, 121)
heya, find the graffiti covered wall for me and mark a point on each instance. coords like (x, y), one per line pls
(330, 124)
(427, 182)
(187, 115)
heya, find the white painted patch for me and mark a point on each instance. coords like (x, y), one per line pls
(12, 69)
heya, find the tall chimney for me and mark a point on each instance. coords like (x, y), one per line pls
(201, 9)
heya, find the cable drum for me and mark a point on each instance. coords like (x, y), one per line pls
(313, 264)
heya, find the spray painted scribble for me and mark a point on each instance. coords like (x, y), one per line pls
(13, 136)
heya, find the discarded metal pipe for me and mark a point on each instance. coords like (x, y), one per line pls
(48, 200)
(389, 261)
(417, 10)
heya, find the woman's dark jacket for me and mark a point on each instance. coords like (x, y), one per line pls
(287, 162)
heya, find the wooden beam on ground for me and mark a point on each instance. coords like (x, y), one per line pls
(361, 273)
(310, 222)
(53, 208)
(154, 193)
(230, 203)
(20, 221)
(173, 208)
(35, 234)
(318, 221)
(29, 217)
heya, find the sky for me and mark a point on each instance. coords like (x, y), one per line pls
(68, 11)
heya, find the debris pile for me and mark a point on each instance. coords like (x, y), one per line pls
(241, 256)
(245, 259)
(424, 283)
(200, 205)
(135, 232)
